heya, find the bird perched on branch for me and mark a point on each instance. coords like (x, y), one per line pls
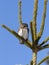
(23, 31)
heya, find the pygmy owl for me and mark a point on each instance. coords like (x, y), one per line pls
(23, 31)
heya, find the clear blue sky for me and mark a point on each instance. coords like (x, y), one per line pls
(11, 52)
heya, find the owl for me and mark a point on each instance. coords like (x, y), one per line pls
(23, 31)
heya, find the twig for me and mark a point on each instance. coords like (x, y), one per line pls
(46, 40)
(43, 20)
(28, 43)
(31, 28)
(46, 58)
(43, 47)
(19, 12)
(34, 18)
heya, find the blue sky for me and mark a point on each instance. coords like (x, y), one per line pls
(11, 52)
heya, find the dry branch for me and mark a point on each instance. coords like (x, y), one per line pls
(28, 43)
(31, 28)
(34, 18)
(46, 58)
(43, 20)
(19, 12)
(46, 40)
(43, 47)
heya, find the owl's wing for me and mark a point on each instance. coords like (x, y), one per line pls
(25, 33)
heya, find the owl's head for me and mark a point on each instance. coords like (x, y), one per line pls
(24, 25)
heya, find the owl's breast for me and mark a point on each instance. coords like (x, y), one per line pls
(20, 32)
(25, 33)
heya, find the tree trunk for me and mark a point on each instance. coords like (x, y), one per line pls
(34, 59)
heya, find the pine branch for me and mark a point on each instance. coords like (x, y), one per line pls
(27, 43)
(19, 12)
(43, 20)
(34, 18)
(46, 40)
(43, 47)
(43, 60)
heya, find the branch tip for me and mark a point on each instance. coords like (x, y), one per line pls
(46, 58)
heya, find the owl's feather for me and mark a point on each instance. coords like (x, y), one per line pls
(24, 32)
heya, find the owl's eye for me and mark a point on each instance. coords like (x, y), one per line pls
(24, 26)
